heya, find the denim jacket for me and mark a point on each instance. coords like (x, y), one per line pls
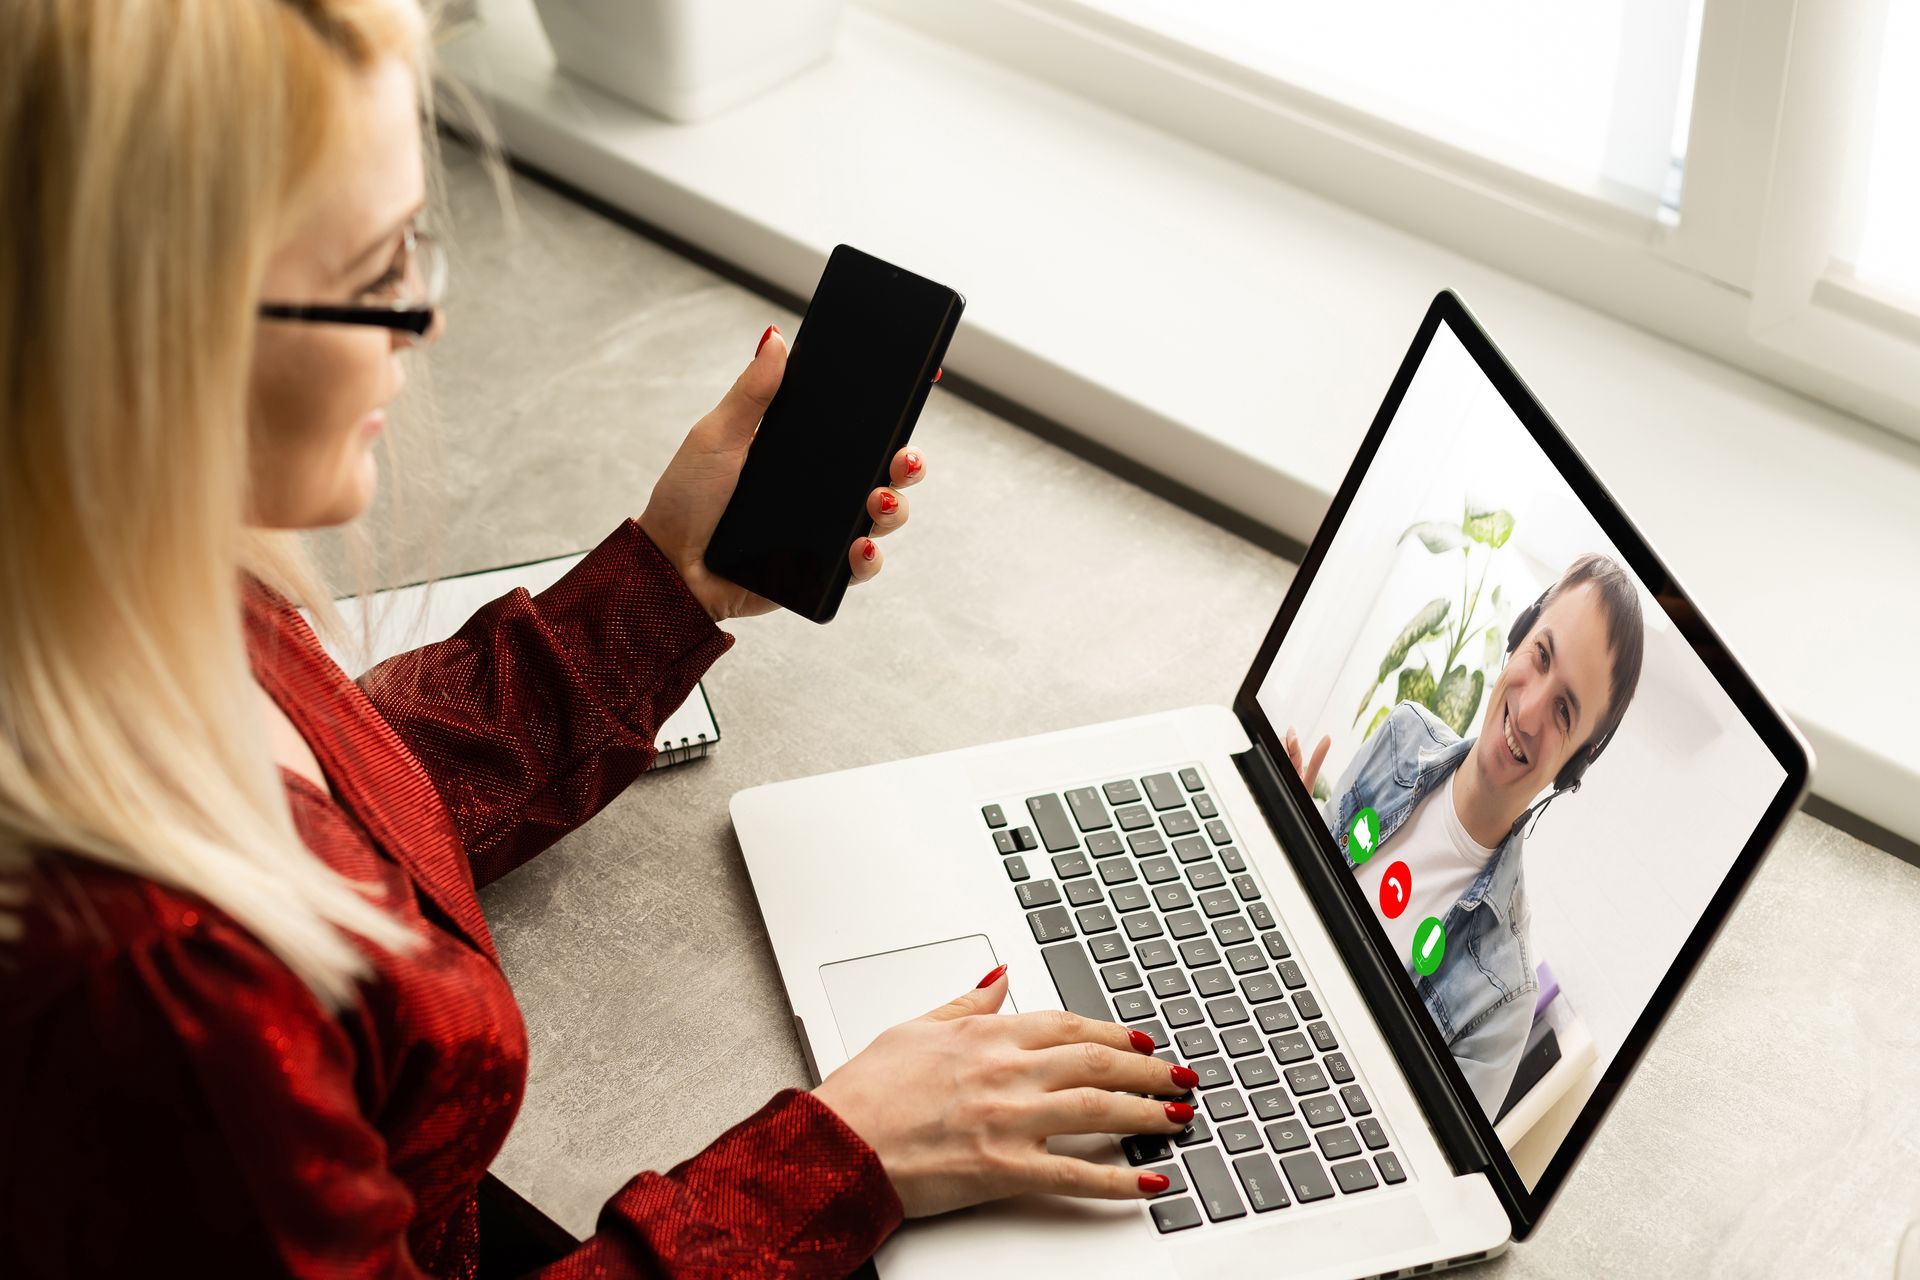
(1482, 995)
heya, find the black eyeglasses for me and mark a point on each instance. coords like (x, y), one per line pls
(418, 278)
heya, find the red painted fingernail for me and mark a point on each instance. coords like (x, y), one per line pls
(771, 330)
(1186, 1077)
(913, 464)
(867, 552)
(990, 979)
(1179, 1112)
(888, 503)
(937, 373)
(1140, 1040)
(1154, 1183)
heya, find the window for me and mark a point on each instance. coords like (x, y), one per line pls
(1880, 241)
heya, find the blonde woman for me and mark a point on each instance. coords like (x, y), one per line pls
(251, 1019)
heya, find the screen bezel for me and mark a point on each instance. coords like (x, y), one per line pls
(1526, 1206)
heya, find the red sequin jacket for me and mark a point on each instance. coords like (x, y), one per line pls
(173, 1100)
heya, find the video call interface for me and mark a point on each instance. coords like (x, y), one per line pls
(1534, 779)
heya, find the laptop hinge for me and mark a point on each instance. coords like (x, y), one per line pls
(1418, 1058)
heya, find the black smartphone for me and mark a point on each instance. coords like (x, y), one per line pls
(862, 363)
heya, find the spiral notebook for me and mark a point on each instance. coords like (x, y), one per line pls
(408, 617)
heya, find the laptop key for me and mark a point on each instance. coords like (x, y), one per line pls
(1175, 1176)
(1050, 924)
(1306, 1078)
(1212, 982)
(1226, 1011)
(1291, 975)
(1213, 1072)
(1218, 833)
(1371, 1133)
(1117, 871)
(1204, 806)
(1121, 792)
(1120, 977)
(1169, 982)
(1088, 813)
(1231, 859)
(1153, 955)
(1197, 952)
(1154, 1029)
(1217, 902)
(1206, 875)
(1142, 924)
(1198, 1131)
(1256, 1073)
(1233, 931)
(1290, 1047)
(1056, 828)
(1196, 1043)
(1259, 913)
(1271, 1104)
(1337, 1144)
(1146, 1148)
(1172, 897)
(1260, 988)
(1322, 1037)
(1309, 1182)
(1337, 1068)
(1017, 868)
(1355, 1175)
(1024, 840)
(1287, 1135)
(1181, 1011)
(1185, 924)
(1207, 1170)
(1161, 791)
(1226, 1104)
(1084, 892)
(1356, 1101)
(1069, 865)
(1095, 920)
(1321, 1111)
(1275, 1018)
(1105, 844)
(1309, 1007)
(1159, 870)
(1038, 893)
(1133, 817)
(1179, 822)
(1240, 1041)
(1190, 778)
(1128, 897)
(1238, 1136)
(1262, 1181)
(1073, 977)
(1390, 1168)
(995, 816)
(1244, 886)
(1246, 960)
(1275, 944)
(1191, 849)
(1003, 841)
(1146, 843)
(1106, 949)
(1133, 1004)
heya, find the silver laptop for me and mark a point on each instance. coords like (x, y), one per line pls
(1411, 988)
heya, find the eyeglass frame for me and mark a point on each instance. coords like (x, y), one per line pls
(401, 317)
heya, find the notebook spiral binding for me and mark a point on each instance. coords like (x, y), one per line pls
(686, 749)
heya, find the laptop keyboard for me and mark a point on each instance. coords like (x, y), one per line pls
(1148, 915)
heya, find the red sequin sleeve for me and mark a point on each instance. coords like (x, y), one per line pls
(541, 709)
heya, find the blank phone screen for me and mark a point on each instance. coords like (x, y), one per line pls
(858, 373)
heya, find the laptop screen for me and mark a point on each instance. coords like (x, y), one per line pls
(1535, 778)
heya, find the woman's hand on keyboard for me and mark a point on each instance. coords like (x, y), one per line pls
(959, 1104)
(692, 492)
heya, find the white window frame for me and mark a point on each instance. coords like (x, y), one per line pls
(1746, 274)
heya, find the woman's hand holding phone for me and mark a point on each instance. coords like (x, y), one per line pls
(697, 484)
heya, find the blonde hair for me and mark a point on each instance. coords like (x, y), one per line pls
(152, 157)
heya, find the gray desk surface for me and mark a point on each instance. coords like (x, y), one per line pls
(1773, 1128)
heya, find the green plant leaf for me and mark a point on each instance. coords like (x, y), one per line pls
(1379, 718)
(1491, 527)
(1495, 647)
(1458, 698)
(1416, 685)
(1436, 535)
(1424, 625)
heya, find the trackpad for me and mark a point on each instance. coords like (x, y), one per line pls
(873, 993)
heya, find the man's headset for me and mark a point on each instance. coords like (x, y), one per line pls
(1568, 779)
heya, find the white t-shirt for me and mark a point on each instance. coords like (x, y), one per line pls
(1442, 860)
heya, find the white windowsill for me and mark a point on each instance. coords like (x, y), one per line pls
(1237, 334)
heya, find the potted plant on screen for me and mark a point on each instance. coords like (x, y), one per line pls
(688, 59)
